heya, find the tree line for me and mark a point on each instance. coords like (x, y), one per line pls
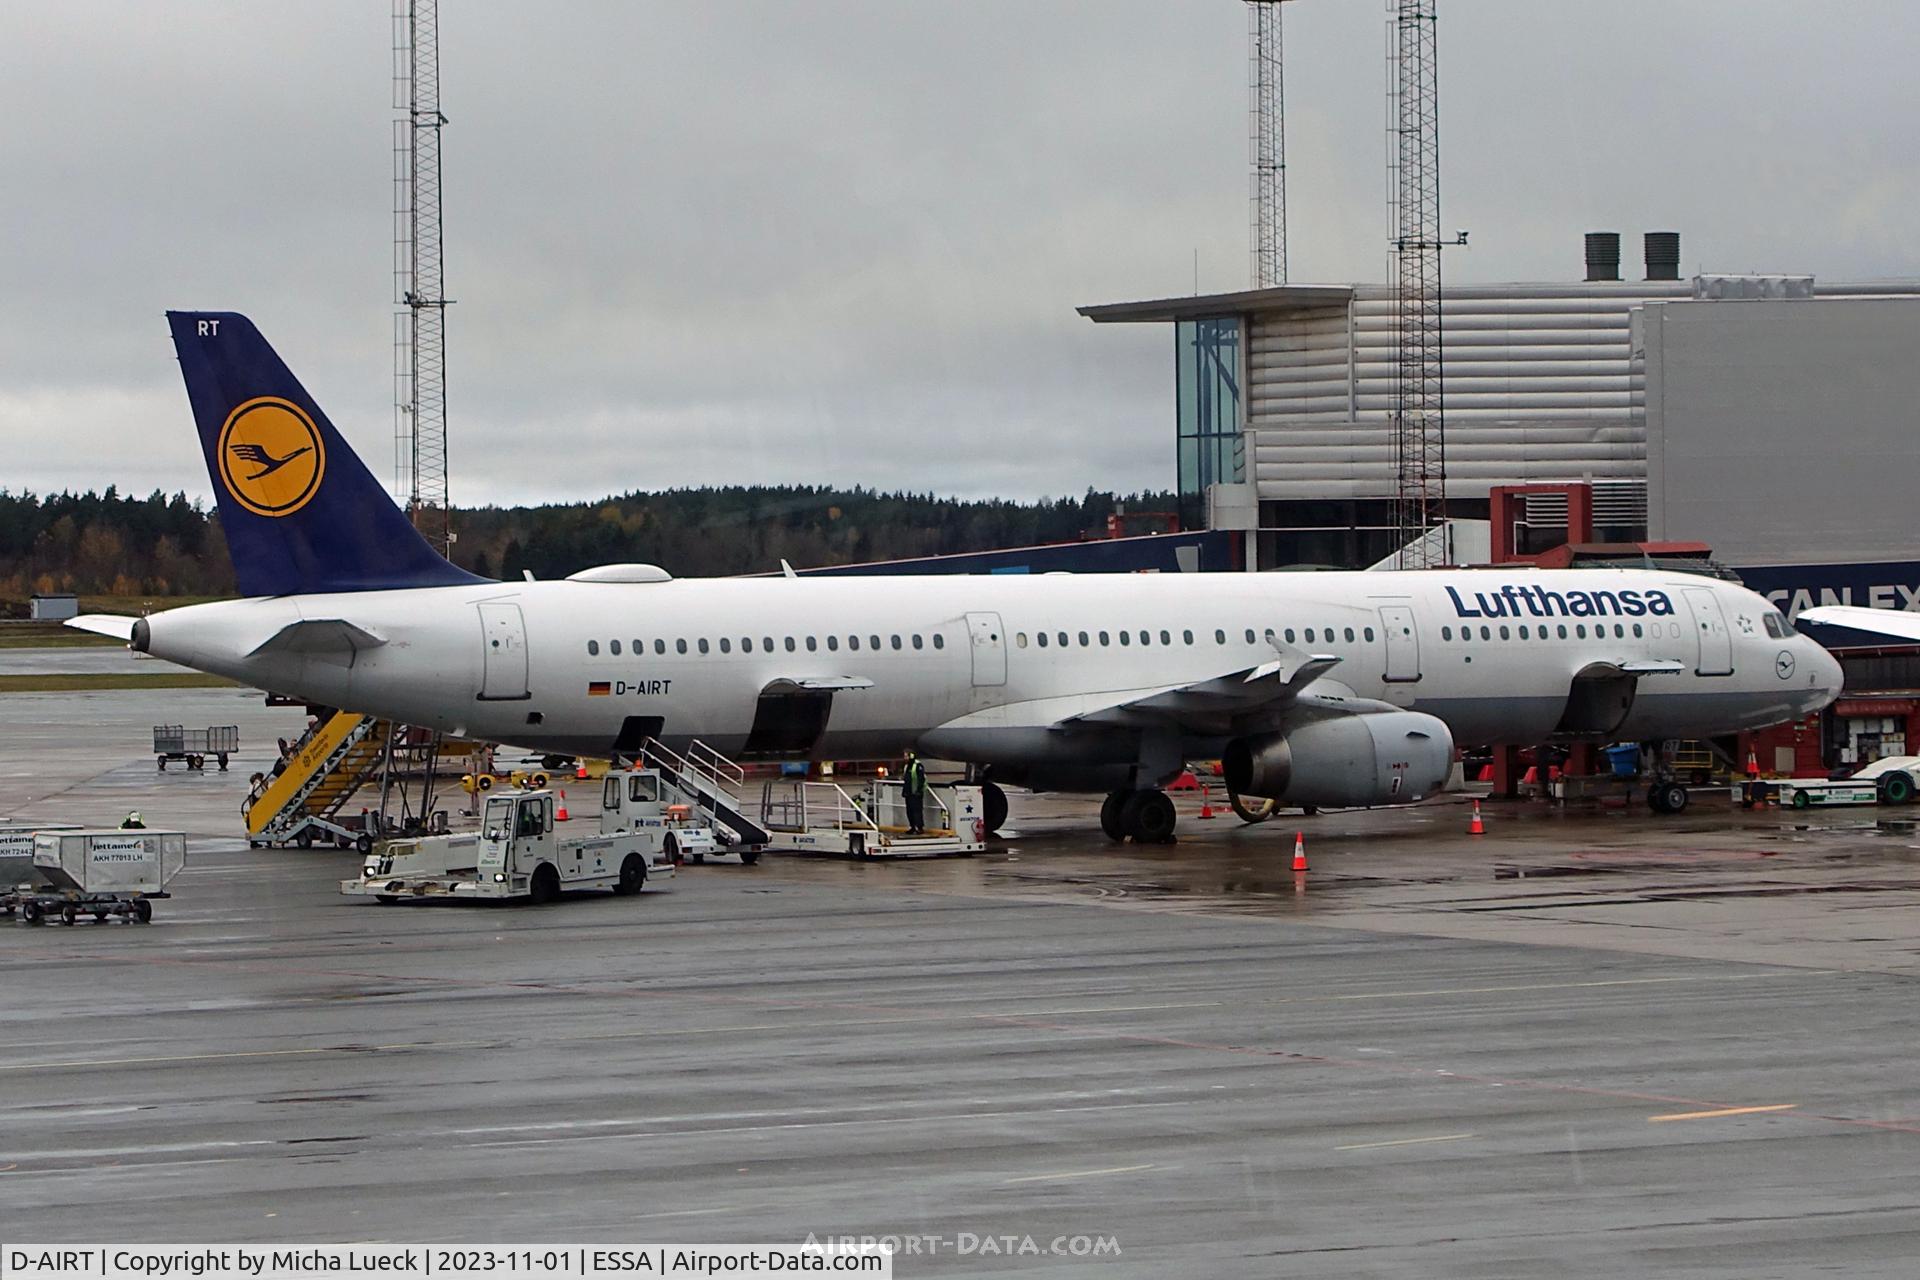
(167, 545)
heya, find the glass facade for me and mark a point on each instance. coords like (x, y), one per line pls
(1212, 448)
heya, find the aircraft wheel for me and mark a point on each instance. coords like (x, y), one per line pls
(994, 801)
(1668, 797)
(1149, 817)
(1250, 809)
(1111, 812)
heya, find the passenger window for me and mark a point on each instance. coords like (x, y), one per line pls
(1187, 636)
(1580, 630)
(1486, 633)
(726, 646)
(680, 646)
(1083, 639)
(1103, 638)
(919, 641)
(1523, 632)
(791, 646)
(659, 646)
(1126, 637)
(1289, 635)
(1504, 634)
(1219, 637)
(1019, 638)
(896, 642)
(1309, 635)
(813, 645)
(593, 648)
(703, 644)
(1446, 633)
(1146, 637)
(939, 641)
(1636, 631)
(1041, 636)
(1063, 639)
(853, 642)
(613, 647)
(833, 643)
(1563, 631)
(873, 642)
(1249, 635)
(1369, 635)
(1349, 635)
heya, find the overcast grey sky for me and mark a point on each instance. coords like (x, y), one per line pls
(842, 242)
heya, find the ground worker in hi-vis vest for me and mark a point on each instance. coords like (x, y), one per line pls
(913, 782)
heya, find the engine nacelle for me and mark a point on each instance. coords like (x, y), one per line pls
(1393, 757)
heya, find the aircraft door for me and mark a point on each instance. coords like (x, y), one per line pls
(989, 649)
(503, 632)
(1403, 643)
(1710, 626)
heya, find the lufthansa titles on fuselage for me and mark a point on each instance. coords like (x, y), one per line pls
(1514, 601)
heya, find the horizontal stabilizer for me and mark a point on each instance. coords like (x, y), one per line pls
(318, 635)
(1898, 623)
(116, 625)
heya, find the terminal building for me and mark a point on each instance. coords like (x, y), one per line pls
(1771, 417)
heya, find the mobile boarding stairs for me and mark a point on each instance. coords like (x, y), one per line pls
(864, 820)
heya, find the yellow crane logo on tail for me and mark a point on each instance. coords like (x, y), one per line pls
(271, 456)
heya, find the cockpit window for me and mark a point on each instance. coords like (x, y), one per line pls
(1777, 627)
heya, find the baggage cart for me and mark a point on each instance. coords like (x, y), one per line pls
(193, 746)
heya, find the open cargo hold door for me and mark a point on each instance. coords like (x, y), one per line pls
(1601, 696)
(788, 722)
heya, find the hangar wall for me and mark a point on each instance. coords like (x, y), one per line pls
(1784, 431)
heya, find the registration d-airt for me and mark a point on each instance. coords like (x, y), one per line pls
(1326, 689)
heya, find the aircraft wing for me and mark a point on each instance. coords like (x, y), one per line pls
(1898, 623)
(1214, 703)
(104, 624)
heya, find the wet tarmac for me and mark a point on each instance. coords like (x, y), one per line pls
(1588, 1043)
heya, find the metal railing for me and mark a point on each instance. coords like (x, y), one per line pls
(788, 805)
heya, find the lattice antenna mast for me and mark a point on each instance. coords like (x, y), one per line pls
(1413, 192)
(420, 364)
(1267, 130)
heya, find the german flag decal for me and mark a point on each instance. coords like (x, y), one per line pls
(598, 688)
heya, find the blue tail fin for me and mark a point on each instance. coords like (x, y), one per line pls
(302, 513)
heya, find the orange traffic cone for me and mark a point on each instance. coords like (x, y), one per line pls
(1206, 803)
(1476, 827)
(560, 814)
(1753, 765)
(580, 771)
(1299, 851)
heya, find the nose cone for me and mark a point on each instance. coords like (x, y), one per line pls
(1827, 675)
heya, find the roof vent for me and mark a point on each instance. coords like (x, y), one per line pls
(1603, 255)
(1663, 255)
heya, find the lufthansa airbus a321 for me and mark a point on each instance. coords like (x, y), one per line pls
(1324, 689)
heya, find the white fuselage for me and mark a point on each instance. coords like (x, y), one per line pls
(957, 665)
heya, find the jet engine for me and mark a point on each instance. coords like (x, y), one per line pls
(1344, 761)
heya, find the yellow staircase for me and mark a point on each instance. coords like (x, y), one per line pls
(326, 767)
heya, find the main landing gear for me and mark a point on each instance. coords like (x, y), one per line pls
(1145, 816)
